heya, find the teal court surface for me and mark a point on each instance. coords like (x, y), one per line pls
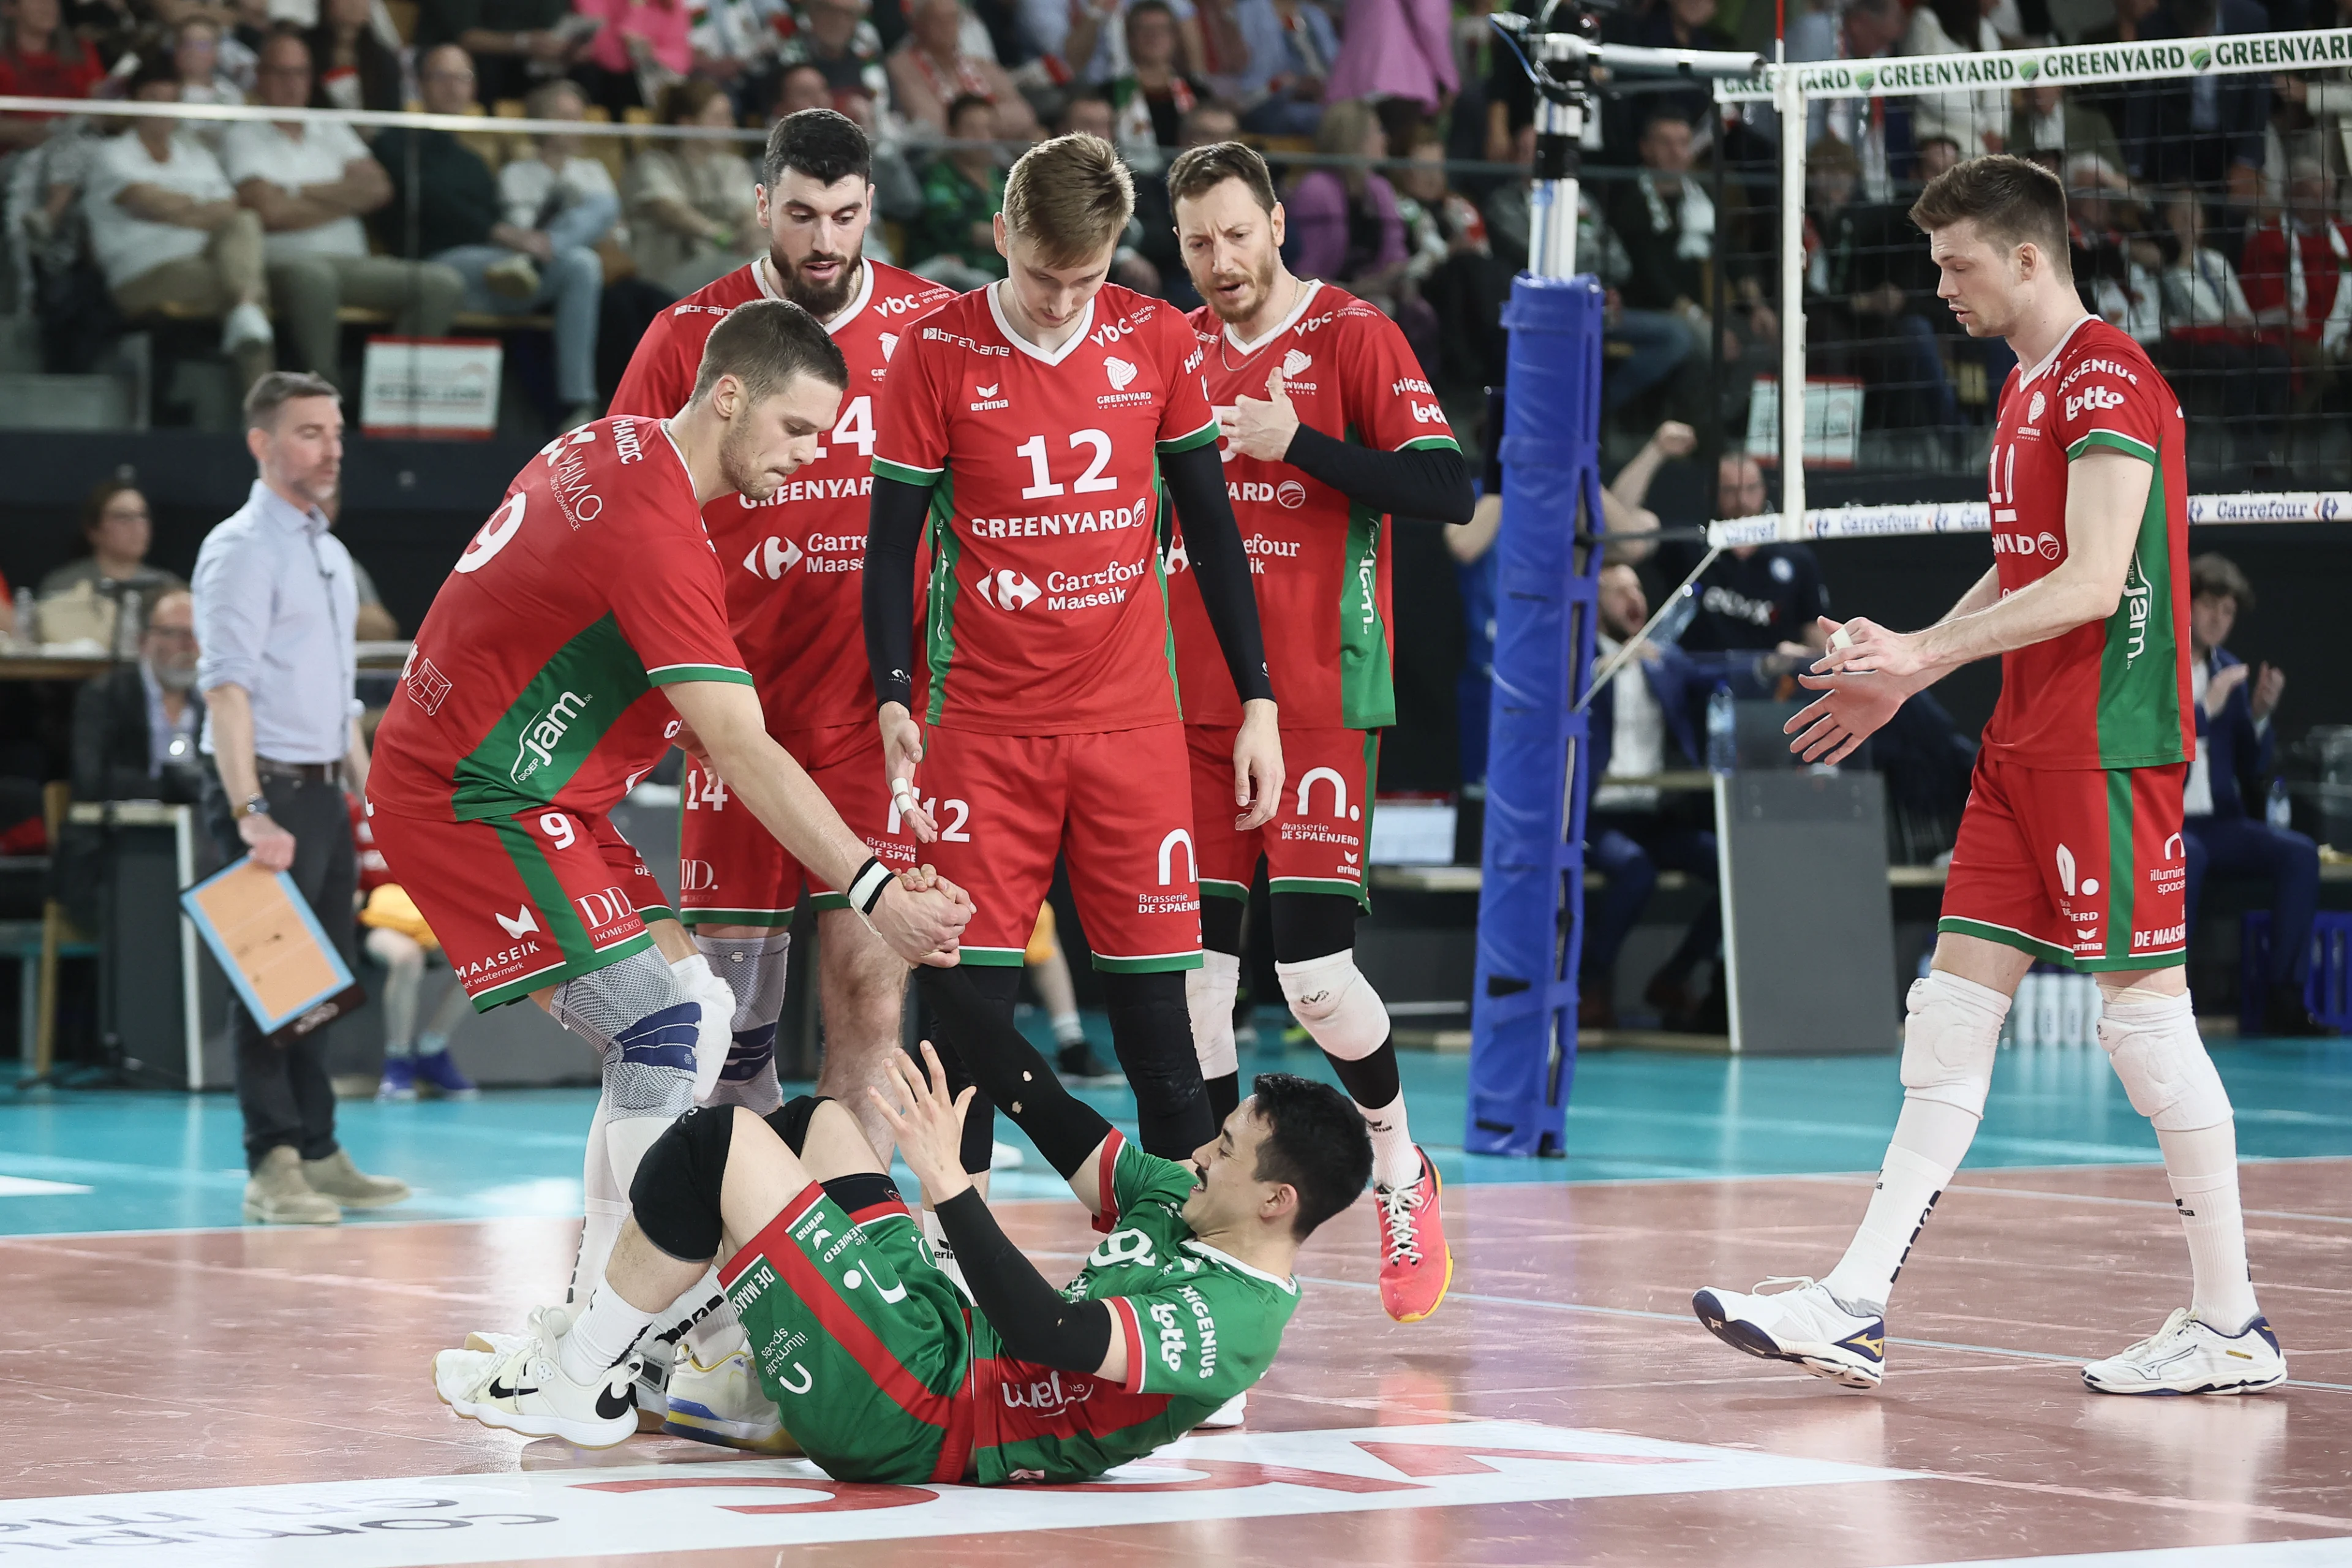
(186, 1390)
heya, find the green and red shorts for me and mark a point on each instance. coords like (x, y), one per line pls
(2082, 867)
(860, 1339)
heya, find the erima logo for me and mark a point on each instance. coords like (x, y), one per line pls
(541, 738)
(1294, 361)
(772, 558)
(1008, 590)
(985, 398)
(1121, 373)
(521, 925)
(987, 391)
(889, 345)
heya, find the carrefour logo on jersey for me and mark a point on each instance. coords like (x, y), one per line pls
(826, 552)
(1290, 495)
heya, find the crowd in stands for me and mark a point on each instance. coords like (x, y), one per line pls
(2207, 207)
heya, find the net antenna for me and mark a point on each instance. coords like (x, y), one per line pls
(1559, 50)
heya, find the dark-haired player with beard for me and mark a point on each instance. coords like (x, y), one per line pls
(793, 564)
(1328, 429)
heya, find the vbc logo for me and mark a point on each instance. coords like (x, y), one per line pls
(772, 558)
(1007, 590)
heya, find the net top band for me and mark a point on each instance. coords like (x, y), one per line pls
(1896, 76)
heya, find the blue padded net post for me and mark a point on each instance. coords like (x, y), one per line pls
(1531, 896)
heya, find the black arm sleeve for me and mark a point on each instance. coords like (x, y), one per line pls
(1431, 482)
(894, 529)
(1035, 1321)
(1196, 483)
(1008, 1071)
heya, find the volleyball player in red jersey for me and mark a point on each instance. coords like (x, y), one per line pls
(1330, 429)
(2069, 851)
(1030, 427)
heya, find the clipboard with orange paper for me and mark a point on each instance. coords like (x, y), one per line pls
(273, 950)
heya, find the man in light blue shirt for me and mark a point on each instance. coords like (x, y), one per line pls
(275, 609)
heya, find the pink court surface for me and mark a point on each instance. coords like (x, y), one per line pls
(224, 1396)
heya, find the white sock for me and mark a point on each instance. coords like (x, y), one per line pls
(601, 1336)
(1930, 1137)
(1067, 1030)
(2203, 1167)
(1395, 1162)
(605, 1209)
(1208, 994)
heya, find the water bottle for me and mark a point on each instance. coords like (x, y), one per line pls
(2281, 810)
(1722, 740)
(2025, 1011)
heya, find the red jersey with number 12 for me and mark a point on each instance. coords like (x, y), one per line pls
(2112, 693)
(794, 562)
(1047, 611)
(1319, 562)
(533, 680)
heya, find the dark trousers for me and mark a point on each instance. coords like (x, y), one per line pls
(1629, 849)
(282, 1089)
(2250, 846)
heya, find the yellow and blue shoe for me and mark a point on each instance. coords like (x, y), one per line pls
(2189, 1355)
(1805, 1325)
(724, 1403)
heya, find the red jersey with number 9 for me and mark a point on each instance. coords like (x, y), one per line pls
(535, 678)
(794, 562)
(1319, 562)
(1047, 611)
(2113, 693)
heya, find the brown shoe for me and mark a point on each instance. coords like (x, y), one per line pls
(349, 1185)
(275, 1192)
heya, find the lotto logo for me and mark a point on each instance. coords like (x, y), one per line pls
(1428, 413)
(2091, 398)
(1007, 590)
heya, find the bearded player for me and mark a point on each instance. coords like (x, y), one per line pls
(793, 564)
(1030, 425)
(1330, 429)
(582, 626)
(883, 1370)
(2069, 849)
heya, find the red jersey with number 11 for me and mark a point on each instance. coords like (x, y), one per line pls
(2112, 693)
(1048, 614)
(794, 562)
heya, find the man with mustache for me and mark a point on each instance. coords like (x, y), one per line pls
(792, 566)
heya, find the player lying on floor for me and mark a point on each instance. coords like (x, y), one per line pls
(863, 1341)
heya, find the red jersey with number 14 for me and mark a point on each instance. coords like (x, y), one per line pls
(794, 562)
(2112, 693)
(1047, 611)
(534, 679)
(1319, 562)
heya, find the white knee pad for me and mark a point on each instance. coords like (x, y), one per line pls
(2154, 1045)
(1336, 1004)
(1951, 1032)
(1208, 994)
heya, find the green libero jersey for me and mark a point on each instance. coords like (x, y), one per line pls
(1199, 1327)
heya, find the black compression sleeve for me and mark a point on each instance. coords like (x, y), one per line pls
(1196, 482)
(1032, 1319)
(1008, 1071)
(894, 529)
(1431, 482)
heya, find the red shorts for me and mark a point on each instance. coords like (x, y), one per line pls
(1114, 803)
(523, 901)
(731, 870)
(2074, 866)
(1315, 841)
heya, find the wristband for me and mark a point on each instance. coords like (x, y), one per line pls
(865, 888)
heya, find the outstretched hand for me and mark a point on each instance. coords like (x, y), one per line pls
(1859, 692)
(928, 1126)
